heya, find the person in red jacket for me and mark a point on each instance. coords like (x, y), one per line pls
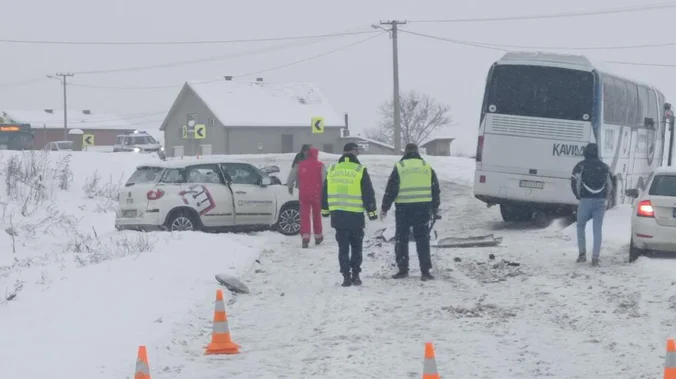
(309, 174)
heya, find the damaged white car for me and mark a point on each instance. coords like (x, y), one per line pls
(207, 195)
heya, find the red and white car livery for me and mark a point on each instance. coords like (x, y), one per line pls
(206, 194)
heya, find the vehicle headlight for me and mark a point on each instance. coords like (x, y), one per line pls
(136, 149)
(161, 148)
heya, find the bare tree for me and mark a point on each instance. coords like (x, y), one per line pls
(421, 115)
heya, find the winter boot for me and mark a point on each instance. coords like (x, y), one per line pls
(595, 262)
(347, 280)
(319, 240)
(401, 274)
(581, 258)
(306, 243)
(355, 279)
(426, 276)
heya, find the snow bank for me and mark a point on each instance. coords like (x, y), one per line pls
(79, 296)
(91, 324)
(616, 229)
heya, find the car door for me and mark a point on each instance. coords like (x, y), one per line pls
(206, 191)
(254, 203)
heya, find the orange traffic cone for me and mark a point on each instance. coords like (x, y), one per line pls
(670, 362)
(220, 337)
(142, 366)
(430, 363)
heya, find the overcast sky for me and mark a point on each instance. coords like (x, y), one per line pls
(356, 80)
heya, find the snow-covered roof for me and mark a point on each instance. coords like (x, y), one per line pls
(438, 137)
(76, 119)
(266, 104)
(359, 137)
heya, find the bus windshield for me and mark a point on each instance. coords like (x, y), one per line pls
(537, 91)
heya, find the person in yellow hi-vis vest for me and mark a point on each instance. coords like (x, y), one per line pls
(346, 194)
(414, 188)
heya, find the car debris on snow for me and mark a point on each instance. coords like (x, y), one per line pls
(233, 284)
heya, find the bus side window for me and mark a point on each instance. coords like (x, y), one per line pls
(620, 102)
(609, 101)
(632, 104)
(643, 105)
(653, 111)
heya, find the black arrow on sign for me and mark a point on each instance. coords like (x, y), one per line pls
(200, 132)
(88, 140)
(318, 124)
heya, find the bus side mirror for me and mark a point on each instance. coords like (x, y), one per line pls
(649, 123)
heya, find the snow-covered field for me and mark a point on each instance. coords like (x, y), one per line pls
(78, 297)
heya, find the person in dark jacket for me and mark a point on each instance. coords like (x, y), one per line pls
(346, 194)
(301, 156)
(414, 188)
(592, 185)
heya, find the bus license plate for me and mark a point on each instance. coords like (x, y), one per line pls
(131, 213)
(531, 184)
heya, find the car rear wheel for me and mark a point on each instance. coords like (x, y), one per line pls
(182, 221)
(289, 220)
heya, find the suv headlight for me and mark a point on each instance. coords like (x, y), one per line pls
(136, 149)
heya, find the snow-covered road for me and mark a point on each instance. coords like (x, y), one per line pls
(547, 317)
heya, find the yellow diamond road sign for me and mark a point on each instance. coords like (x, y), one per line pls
(87, 140)
(200, 131)
(317, 125)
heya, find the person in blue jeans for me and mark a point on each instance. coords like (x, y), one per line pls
(592, 185)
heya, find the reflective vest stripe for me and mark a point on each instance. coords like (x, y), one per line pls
(343, 182)
(415, 181)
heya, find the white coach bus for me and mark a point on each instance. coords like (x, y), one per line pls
(539, 112)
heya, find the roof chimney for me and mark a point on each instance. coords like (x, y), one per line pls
(86, 111)
(228, 78)
(259, 79)
(48, 110)
(347, 125)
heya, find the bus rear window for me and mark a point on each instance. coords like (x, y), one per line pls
(537, 91)
(663, 185)
(144, 175)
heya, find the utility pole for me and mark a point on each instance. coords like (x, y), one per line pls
(395, 72)
(62, 77)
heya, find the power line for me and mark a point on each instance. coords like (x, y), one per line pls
(293, 63)
(503, 47)
(628, 9)
(196, 61)
(210, 42)
(455, 41)
(495, 47)
(314, 56)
